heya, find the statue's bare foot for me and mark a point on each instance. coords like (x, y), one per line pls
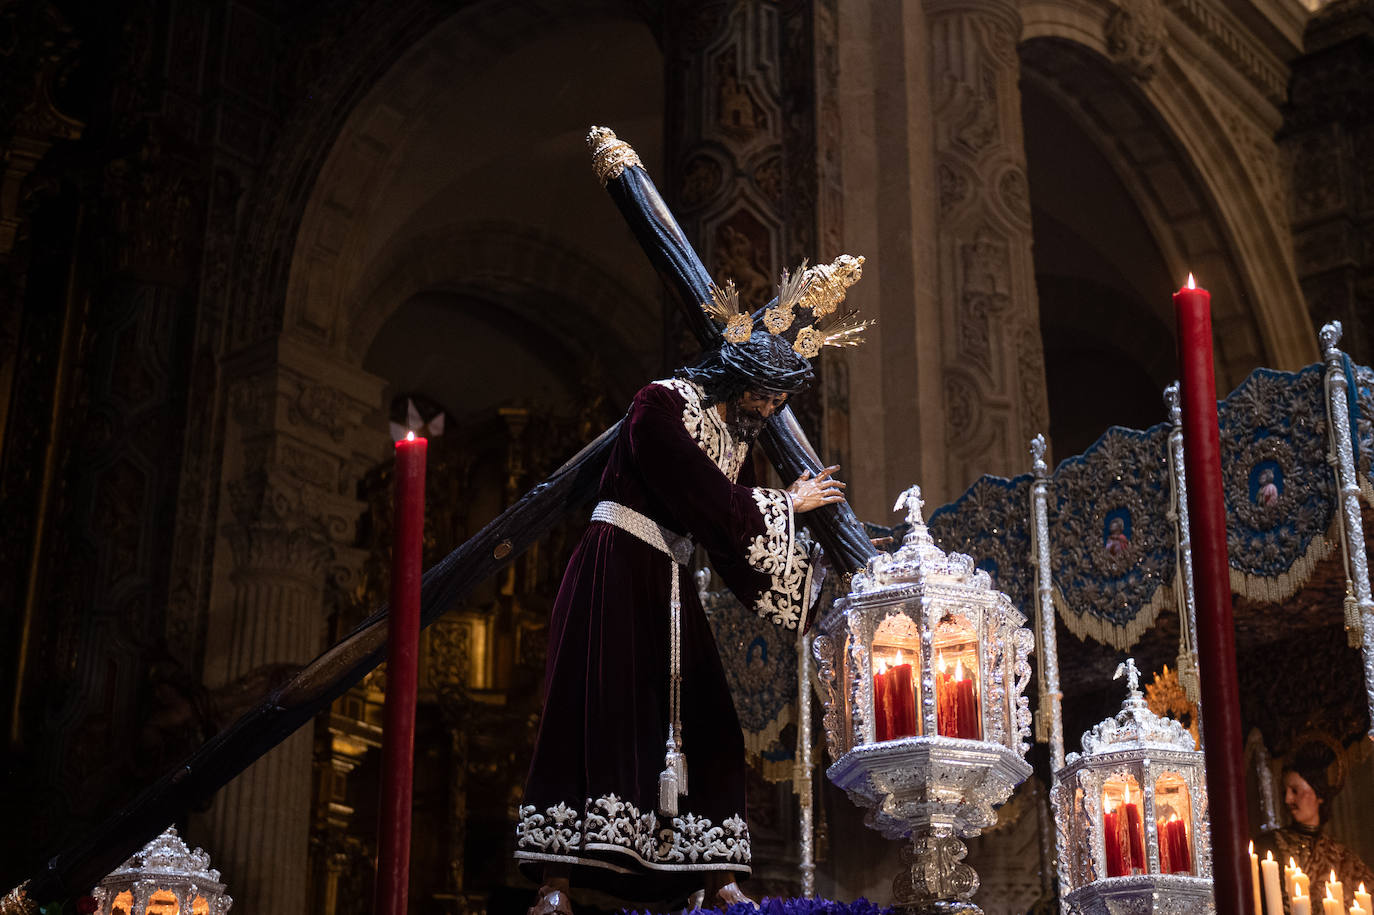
(731, 894)
(552, 900)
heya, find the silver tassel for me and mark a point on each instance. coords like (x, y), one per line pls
(668, 780)
(678, 760)
(1354, 623)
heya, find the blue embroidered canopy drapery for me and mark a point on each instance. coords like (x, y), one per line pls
(1112, 536)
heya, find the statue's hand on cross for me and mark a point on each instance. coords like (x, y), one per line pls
(810, 491)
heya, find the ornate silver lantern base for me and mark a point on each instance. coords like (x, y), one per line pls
(938, 791)
(1143, 894)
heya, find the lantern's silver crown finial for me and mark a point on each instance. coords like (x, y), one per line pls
(911, 500)
(1135, 725)
(918, 558)
(1132, 673)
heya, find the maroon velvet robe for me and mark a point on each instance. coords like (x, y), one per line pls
(593, 784)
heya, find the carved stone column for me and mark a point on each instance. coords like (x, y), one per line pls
(993, 372)
(295, 449)
(725, 136)
(1328, 135)
(744, 170)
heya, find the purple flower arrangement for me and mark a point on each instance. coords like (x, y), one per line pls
(772, 906)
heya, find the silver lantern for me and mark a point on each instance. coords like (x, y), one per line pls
(163, 878)
(1133, 823)
(923, 666)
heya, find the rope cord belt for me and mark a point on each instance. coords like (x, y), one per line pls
(672, 781)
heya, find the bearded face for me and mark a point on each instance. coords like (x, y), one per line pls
(746, 414)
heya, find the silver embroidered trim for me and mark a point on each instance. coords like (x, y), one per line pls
(707, 429)
(609, 823)
(779, 554)
(643, 527)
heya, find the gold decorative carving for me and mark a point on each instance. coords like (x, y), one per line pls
(1166, 698)
(828, 283)
(610, 155)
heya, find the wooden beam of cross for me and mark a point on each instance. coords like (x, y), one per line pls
(76, 869)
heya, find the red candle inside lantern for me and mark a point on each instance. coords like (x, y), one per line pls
(956, 702)
(402, 676)
(1123, 831)
(902, 694)
(894, 701)
(882, 708)
(1118, 865)
(1136, 834)
(1174, 837)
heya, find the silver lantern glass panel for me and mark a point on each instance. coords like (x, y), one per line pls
(1134, 828)
(924, 667)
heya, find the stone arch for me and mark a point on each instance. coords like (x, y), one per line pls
(531, 276)
(383, 52)
(1189, 159)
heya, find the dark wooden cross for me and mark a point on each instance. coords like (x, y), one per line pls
(73, 871)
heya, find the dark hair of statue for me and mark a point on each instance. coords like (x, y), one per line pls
(1312, 762)
(765, 363)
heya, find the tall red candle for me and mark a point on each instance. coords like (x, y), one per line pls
(402, 675)
(1224, 740)
(901, 696)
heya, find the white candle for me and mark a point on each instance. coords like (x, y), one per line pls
(1301, 905)
(1330, 906)
(1362, 899)
(1273, 892)
(1358, 909)
(1336, 890)
(1304, 883)
(1254, 878)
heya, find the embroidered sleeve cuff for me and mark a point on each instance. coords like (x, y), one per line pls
(780, 554)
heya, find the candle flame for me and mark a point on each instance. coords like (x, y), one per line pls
(1333, 877)
(1291, 863)
(1192, 284)
(1268, 856)
(940, 661)
(899, 657)
(1328, 893)
(1297, 892)
(1362, 887)
(1173, 818)
(958, 670)
(1252, 846)
(410, 436)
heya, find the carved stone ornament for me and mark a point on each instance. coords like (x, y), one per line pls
(1135, 36)
(164, 876)
(917, 630)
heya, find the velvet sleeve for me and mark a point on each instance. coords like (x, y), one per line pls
(749, 532)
